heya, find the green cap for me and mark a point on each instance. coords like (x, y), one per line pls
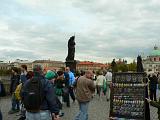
(50, 75)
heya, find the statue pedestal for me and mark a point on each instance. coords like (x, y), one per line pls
(72, 65)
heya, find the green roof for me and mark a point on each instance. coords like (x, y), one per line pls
(155, 53)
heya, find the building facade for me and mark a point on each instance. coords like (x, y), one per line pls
(4, 66)
(151, 64)
(50, 65)
(87, 65)
(46, 64)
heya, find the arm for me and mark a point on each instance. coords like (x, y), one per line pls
(51, 98)
(155, 104)
(72, 78)
(91, 86)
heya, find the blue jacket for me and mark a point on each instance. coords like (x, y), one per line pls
(71, 78)
(23, 78)
(51, 101)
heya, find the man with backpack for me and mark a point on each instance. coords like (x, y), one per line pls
(38, 97)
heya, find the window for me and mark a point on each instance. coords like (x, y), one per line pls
(154, 59)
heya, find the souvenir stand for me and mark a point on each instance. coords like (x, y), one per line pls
(127, 96)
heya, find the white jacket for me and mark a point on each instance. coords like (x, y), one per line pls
(100, 80)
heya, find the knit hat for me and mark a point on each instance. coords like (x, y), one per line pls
(50, 75)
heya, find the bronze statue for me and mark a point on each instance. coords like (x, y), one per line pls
(71, 49)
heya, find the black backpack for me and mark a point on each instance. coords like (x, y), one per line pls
(33, 94)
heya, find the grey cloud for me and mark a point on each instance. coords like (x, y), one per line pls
(111, 28)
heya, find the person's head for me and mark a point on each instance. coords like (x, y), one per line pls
(14, 70)
(60, 74)
(89, 74)
(50, 75)
(30, 74)
(100, 73)
(154, 74)
(67, 69)
(110, 70)
(23, 68)
(37, 70)
(82, 73)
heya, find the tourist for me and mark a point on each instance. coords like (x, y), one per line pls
(59, 85)
(42, 103)
(15, 79)
(153, 86)
(94, 80)
(101, 80)
(23, 110)
(85, 89)
(109, 80)
(66, 95)
(71, 83)
(23, 76)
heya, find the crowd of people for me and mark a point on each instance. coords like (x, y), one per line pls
(41, 95)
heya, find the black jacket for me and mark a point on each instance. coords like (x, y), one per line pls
(15, 79)
(153, 83)
(51, 101)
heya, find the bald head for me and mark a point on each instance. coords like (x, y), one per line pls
(67, 69)
(89, 74)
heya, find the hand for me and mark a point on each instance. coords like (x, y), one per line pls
(148, 100)
(55, 117)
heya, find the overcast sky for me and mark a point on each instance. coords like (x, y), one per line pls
(104, 29)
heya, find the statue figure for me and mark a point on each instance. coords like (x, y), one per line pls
(114, 66)
(139, 64)
(71, 49)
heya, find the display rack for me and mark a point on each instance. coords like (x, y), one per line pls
(128, 96)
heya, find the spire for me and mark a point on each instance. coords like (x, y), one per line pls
(155, 47)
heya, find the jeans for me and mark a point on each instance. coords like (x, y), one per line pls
(83, 111)
(71, 92)
(42, 115)
(15, 103)
(153, 95)
(99, 89)
(0, 115)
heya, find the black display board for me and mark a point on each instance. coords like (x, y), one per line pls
(127, 96)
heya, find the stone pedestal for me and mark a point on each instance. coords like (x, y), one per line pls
(72, 65)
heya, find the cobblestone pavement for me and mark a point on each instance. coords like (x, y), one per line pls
(98, 110)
